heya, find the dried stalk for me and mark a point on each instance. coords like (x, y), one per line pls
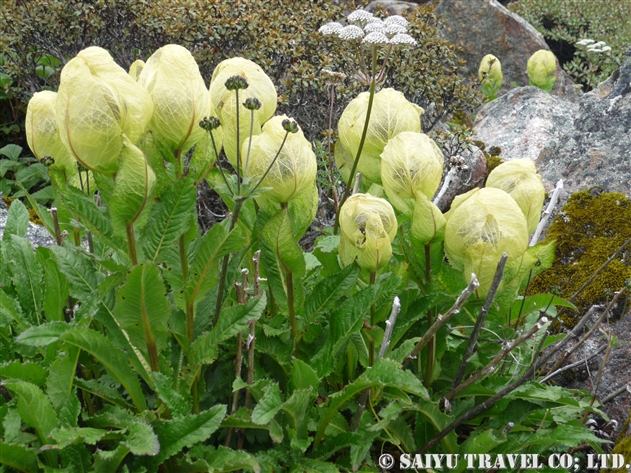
(442, 319)
(363, 399)
(497, 279)
(547, 212)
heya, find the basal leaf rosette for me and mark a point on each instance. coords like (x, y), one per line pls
(42, 133)
(411, 163)
(541, 67)
(520, 180)
(260, 87)
(293, 171)
(481, 225)
(172, 78)
(391, 114)
(368, 226)
(97, 103)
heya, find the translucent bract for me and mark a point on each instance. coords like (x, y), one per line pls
(293, 171)
(42, 133)
(481, 225)
(136, 68)
(490, 75)
(411, 163)
(519, 178)
(368, 226)
(98, 102)
(391, 114)
(260, 86)
(172, 79)
(541, 66)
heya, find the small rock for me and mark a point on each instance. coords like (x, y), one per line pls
(392, 7)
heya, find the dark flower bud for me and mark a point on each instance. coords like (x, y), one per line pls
(236, 83)
(210, 123)
(252, 103)
(81, 167)
(48, 161)
(290, 126)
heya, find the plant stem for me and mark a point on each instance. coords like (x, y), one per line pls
(131, 243)
(329, 154)
(499, 272)
(361, 142)
(238, 203)
(247, 158)
(431, 347)
(251, 337)
(238, 362)
(373, 314)
(236, 92)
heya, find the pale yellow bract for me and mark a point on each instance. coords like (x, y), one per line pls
(391, 114)
(42, 133)
(368, 226)
(519, 178)
(540, 66)
(98, 102)
(411, 163)
(294, 170)
(172, 79)
(481, 225)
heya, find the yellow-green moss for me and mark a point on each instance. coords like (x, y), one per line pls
(623, 447)
(492, 161)
(589, 229)
(33, 217)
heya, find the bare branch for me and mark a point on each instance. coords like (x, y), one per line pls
(547, 212)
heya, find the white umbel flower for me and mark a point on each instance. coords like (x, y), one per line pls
(396, 20)
(375, 37)
(330, 28)
(585, 42)
(393, 29)
(403, 38)
(376, 26)
(359, 15)
(350, 32)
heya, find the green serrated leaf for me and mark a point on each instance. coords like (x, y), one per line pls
(297, 409)
(141, 440)
(83, 277)
(95, 218)
(61, 375)
(329, 290)
(55, 291)
(304, 376)
(215, 244)
(242, 420)
(29, 372)
(105, 392)
(170, 218)
(114, 361)
(176, 434)
(224, 459)
(43, 335)
(109, 461)
(66, 436)
(232, 320)
(17, 221)
(277, 233)
(142, 310)
(34, 407)
(176, 402)
(10, 309)
(11, 151)
(27, 275)
(268, 405)
(18, 457)
(308, 465)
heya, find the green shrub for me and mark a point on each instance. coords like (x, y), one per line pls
(565, 23)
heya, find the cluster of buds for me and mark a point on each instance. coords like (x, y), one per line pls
(592, 46)
(364, 29)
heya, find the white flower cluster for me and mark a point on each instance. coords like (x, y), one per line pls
(371, 30)
(593, 46)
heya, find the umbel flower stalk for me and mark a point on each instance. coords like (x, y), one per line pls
(367, 36)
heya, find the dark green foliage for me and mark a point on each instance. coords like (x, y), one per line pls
(564, 23)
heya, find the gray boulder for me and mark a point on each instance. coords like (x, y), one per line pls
(484, 27)
(36, 234)
(598, 150)
(524, 121)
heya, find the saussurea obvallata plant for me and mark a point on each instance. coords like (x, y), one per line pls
(131, 351)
